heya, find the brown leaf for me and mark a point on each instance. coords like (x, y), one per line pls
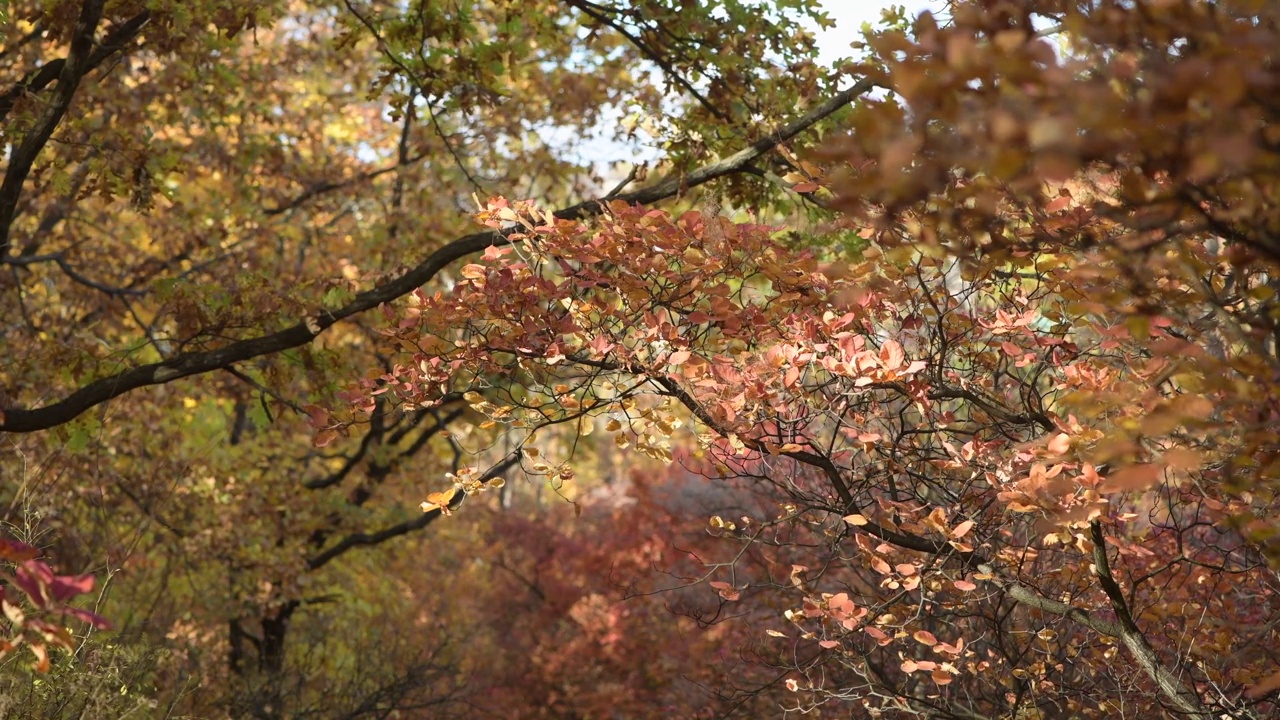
(1133, 477)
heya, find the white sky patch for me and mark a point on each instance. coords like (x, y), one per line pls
(849, 15)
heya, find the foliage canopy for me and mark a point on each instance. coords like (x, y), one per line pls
(954, 399)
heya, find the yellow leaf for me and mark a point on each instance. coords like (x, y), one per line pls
(439, 501)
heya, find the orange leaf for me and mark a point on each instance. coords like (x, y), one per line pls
(1182, 459)
(891, 355)
(924, 637)
(1059, 444)
(1134, 477)
(439, 501)
(1269, 684)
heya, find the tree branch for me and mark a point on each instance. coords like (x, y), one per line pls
(356, 540)
(40, 79)
(302, 333)
(1186, 701)
(22, 156)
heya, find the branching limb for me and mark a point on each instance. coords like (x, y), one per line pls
(305, 331)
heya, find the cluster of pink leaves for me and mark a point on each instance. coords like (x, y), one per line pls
(36, 603)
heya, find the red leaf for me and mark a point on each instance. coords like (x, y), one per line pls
(924, 637)
(876, 633)
(1059, 203)
(317, 416)
(15, 551)
(65, 587)
(33, 578)
(92, 618)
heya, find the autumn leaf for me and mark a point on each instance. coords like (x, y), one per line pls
(439, 501)
(891, 355)
(1059, 444)
(1266, 686)
(1130, 478)
(924, 637)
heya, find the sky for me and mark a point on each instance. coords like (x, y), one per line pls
(849, 16)
(833, 44)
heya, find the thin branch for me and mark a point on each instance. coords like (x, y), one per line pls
(356, 540)
(660, 59)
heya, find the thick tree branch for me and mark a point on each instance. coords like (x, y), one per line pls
(38, 80)
(22, 156)
(194, 363)
(1186, 701)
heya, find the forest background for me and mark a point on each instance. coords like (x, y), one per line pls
(636, 359)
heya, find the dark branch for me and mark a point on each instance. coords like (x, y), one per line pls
(22, 155)
(195, 363)
(374, 538)
(40, 79)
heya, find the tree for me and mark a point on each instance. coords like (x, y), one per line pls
(1029, 432)
(996, 441)
(201, 201)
